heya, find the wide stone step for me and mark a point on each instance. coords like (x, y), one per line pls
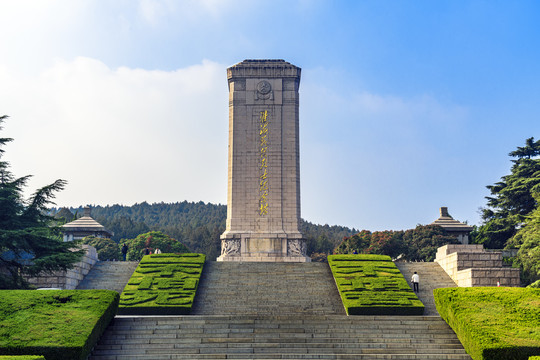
(279, 337)
(267, 288)
(109, 275)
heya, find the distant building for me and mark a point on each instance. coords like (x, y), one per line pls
(83, 227)
(453, 227)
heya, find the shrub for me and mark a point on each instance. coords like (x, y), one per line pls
(58, 324)
(153, 240)
(493, 323)
(106, 248)
(163, 284)
(373, 285)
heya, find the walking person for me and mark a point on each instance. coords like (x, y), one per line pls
(415, 280)
(124, 251)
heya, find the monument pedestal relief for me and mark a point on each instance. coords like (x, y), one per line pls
(263, 201)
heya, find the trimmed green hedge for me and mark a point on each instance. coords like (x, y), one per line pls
(58, 324)
(373, 285)
(21, 357)
(162, 284)
(493, 323)
(534, 358)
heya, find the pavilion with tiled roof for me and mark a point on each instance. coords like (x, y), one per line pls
(453, 227)
(83, 227)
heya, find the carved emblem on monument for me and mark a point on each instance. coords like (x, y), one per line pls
(264, 91)
(296, 247)
(230, 247)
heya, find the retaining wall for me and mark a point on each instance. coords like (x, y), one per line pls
(69, 279)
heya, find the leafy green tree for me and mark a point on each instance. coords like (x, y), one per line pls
(356, 243)
(123, 227)
(152, 240)
(378, 242)
(389, 243)
(107, 249)
(418, 244)
(28, 244)
(64, 216)
(530, 150)
(511, 199)
(527, 240)
(422, 242)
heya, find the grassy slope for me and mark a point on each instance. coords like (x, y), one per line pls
(493, 323)
(373, 285)
(59, 324)
(163, 284)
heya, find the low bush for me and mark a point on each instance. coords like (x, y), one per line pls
(495, 323)
(162, 284)
(373, 285)
(58, 324)
(152, 240)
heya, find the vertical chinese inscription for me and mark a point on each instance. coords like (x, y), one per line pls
(263, 165)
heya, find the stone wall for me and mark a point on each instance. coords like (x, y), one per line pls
(69, 279)
(471, 265)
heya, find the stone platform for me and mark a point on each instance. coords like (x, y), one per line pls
(471, 265)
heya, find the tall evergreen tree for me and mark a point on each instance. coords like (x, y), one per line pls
(527, 240)
(512, 198)
(28, 245)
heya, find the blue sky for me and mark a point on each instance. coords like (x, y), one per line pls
(406, 106)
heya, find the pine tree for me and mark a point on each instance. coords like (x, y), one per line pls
(512, 198)
(28, 244)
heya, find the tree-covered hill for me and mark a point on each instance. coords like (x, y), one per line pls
(198, 225)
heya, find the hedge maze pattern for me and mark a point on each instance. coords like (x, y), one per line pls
(373, 285)
(163, 284)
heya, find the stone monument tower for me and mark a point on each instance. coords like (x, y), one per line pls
(263, 201)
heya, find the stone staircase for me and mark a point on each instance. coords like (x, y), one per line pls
(279, 337)
(432, 276)
(250, 288)
(109, 275)
(275, 311)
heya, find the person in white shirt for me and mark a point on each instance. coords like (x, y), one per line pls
(415, 280)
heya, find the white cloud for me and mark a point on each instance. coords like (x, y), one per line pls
(379, 148)
(120, 135)
(193, 11)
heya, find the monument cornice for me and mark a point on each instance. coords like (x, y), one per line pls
(264, 68)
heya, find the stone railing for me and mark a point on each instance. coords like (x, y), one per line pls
(471, 265)
(69, 279)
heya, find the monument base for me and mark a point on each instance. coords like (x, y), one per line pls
(258, 247)
(264, 258)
